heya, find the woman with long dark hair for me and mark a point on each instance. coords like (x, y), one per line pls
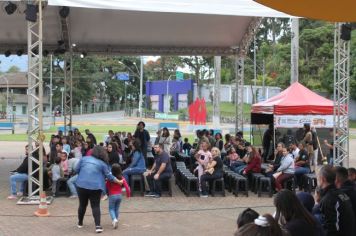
(113, 154)
(177, 143)
(165, 140)
(92, 171)
(292, 214)
(138, 164)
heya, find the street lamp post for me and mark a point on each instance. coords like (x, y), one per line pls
(51, 86)
(62, 91)
(168, 102)
(141, 88)
(263, 73)
(7, 95)
(140, 74)
(140, 100)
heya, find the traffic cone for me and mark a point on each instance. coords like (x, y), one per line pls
(42, 208)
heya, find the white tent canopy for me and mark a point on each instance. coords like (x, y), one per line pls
(210, 7)
(141, 27)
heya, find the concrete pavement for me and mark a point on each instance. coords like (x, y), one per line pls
(179, 215)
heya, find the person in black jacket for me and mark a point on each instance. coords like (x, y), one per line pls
(335, 206)
(142, 134)
(345, 185)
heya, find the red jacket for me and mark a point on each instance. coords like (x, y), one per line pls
(114, 188)
(254, 165)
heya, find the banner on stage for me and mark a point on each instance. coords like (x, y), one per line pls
(297, 121)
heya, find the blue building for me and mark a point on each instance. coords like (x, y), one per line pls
(161, 92)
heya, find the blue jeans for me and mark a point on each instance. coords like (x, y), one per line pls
(18, 177)
(299, 172)
(71, 186)
(114, 205)
(131, 171)
(240, 169)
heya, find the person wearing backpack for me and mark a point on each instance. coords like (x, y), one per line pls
(138, 165)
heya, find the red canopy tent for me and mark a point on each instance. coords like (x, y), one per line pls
(294, 101)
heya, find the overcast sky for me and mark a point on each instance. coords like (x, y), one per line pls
(14, 60)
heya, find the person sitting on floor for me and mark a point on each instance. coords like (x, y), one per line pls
(264, 225)
(247, 216)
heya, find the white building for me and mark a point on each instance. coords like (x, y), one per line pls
(18, 99)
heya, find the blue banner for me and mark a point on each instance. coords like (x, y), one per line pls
(123, 76)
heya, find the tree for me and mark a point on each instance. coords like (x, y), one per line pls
(13, 69)
(200, 66)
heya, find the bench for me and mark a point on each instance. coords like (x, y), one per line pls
(168, 125)
(7, 126)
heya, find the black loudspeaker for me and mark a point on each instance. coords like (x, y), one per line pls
(31, 12)
(64, 12)
(345, 32)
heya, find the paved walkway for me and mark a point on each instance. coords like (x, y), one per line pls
(178, 215)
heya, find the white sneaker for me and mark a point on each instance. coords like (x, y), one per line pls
(98, 229)
(115, 223)
(19, 194)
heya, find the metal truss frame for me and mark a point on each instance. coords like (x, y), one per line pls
(239, 71)
(68, 78)
(341, 98)
(35, 104)
(239, 92)
(68, 88)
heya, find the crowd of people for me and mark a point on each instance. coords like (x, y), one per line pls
(99, 170)
(331, 212)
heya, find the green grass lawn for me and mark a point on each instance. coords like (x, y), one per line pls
(229, 109)
(352, 124)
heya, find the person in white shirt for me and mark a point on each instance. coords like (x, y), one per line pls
(294, 150)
